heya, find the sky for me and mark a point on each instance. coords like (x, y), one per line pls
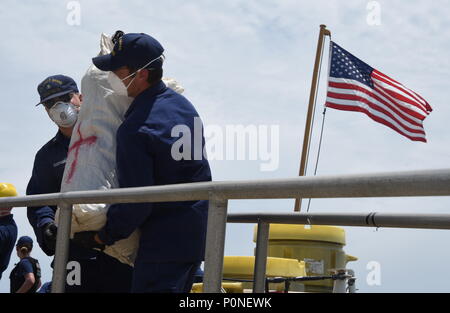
(250, 63)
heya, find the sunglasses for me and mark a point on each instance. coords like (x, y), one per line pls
(64, 98)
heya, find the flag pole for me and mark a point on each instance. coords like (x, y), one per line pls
(312, 103)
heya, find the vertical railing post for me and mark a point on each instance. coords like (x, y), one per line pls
(62, 248)
(215, 243)
(262, 237)
(351, 281)
(340, 283)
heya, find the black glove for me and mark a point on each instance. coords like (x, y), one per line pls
(49, 237)
(86, 239)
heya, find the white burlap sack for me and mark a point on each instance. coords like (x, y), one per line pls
(91, 161)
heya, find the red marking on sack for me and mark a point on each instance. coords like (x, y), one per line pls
(76, 146)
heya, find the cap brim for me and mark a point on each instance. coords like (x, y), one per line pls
(104, 62)
(25, 242)
(62, 93)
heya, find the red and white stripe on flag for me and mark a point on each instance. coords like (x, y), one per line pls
(355, 86)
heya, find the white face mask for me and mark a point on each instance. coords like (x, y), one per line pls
(64, 114)
(117, 84)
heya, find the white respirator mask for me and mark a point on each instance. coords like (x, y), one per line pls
(64, 114)
(117, 84)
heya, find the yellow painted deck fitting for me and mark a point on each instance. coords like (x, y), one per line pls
(303, 232)
(229, 288)
(320, 247)
(243, 267)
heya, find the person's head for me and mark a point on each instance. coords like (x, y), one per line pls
(24, 246)
(6, 190)
(61, 99)
(135, 64)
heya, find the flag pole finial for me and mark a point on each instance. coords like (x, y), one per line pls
(323, 28)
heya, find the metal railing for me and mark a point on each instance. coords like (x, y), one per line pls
(398, 184)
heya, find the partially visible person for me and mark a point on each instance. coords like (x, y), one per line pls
(46, 288)
(26, 275)
(8, 236)
(173, 234)
(61, 99)
(8, 229)
(198, 276)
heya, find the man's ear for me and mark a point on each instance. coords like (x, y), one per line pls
(143, 74)
(81, 97)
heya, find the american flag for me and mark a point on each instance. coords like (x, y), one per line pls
(355, 86)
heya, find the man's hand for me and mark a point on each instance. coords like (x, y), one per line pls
(5, 211)
(49, 237)
(89, 240)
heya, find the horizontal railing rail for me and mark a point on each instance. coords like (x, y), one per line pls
(398, 184)
(373, 219)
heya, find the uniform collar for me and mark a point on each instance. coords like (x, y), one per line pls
(147, 94)
(61, 139)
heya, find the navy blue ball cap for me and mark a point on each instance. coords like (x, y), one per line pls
(133, 50)
(24, 241)
(56, 86)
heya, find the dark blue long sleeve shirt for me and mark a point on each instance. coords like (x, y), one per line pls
(172, 231)
(8, 237)
(47, 176)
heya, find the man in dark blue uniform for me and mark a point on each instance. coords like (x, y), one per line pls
(172, 234)
(8, 237)
(99, 272)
